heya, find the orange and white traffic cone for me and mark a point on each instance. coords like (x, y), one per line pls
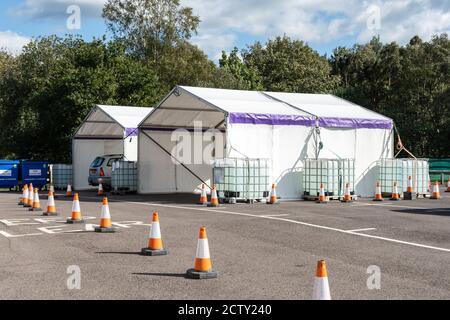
(214, 199)
(202, 266)
(155, 246)
(448, 185)
(322, 196)
(395, 195)
(203, 196)
(410, 189)
(24, 196)
(347, 195)
(69, 190)
(76, 211)
(36, 203)
(100, 189)
(321, 287)
(51, 206)
(436, 193)
(378, 195)
(105, 219)
(28, 203)
(273, 199)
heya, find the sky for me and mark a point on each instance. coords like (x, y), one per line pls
(323, 24)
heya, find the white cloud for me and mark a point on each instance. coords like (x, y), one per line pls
(12, 42)
(214, 44)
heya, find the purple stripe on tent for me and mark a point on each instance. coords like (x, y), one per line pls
(300, 120)
(271, 119)
(355, 123)
(131, 132)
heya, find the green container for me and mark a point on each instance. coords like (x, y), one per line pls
(242, 179)
(334, 174)
(439, 170)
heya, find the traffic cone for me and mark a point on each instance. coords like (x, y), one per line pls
(155, 245)
(76, 211)
(203, 196)
(395, 195)
(100, 189)
(436, 193)
(202, 266)
(29, 201)
(51, 206)
(322, 197)
(273, 199)
(24, 196)
(448, 185)
(378, 195)
(105, 219)
(36, 203)
(347, 195)
(69, 190)
(321, 287)
(214, 199)
(410, 185)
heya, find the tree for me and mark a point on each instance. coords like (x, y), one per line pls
(290, 66)
(236, 74)
(55, 83)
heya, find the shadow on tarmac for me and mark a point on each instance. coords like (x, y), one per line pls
(445, 212)
(174, 275)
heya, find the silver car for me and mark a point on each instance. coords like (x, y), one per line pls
(100, 170)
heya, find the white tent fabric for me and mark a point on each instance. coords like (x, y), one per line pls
(282, 127)
(104, 131)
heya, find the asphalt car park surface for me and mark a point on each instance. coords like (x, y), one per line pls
(260, 251)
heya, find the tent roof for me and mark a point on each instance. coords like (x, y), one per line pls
(112, 121)
(184, 105)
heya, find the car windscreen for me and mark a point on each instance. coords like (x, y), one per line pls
(97, 162)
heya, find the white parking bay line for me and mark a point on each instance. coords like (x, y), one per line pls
(361, 230)
(275, 215)
(285, 220)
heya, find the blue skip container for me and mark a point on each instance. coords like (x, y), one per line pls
(9, 173)
(35, 172)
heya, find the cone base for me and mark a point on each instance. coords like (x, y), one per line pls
(347, 201)
(70, 221)
(50, 214)
(379, 200)
(35, 209)
(394, 199)
(150, 252)
(321, 201)
(268, 202)
(213, 205)
(21, 204)
(104, 230)
(193, 274)
(26, 206)
(447, 191)
(202, 204)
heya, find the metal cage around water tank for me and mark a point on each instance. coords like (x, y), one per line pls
(124, 177)
(242, 179)
(334, 174)
(61, 175)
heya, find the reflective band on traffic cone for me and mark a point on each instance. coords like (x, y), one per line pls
(69, 191)
(448, 185)
(322, 197)
(321, 287)
(395, 195)
(24, 196)
(273, 199)
(203, 196)
(36, 203)
(51, 207)
(105, 219)
(410, 185)
(214, 199)
(76, 211)
(155, 245)
(100, 189)
(30, 198)
(202, 266)
(436, 193)
(378, 195)
(347, 195)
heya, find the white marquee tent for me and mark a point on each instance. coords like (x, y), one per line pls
(106, 130)
(283, 127)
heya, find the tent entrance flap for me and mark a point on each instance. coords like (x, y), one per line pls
(178, 161)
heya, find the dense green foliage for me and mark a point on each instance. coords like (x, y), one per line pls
(47, 90)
